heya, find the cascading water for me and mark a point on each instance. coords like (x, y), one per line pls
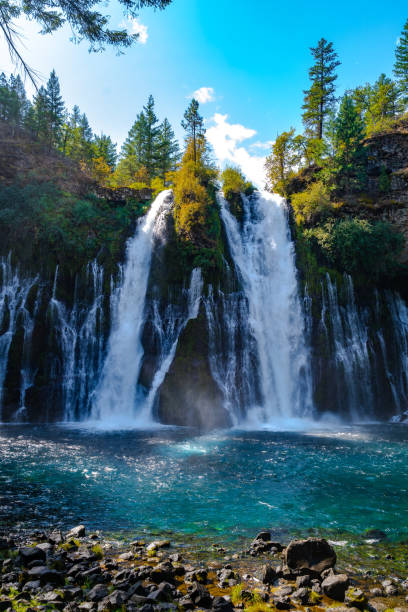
(115, 397)
(263, 255)
(13, 313)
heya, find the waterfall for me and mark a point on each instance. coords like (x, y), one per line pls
(14, 313)
(79, 339)
(116, 395)
(232, 351)
(264, 258)
(169, 330)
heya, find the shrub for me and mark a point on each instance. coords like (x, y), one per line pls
(311, 204)
(358, 246)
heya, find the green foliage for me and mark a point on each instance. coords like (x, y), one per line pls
(401, 64)
(358, 246)
(43, 224)
(280, 164)
(378, 105)
(320, 98)
(234, 185)
(349, 153)
(82, 16)
(196, 213)
(312, 204)
(98, 551)
(193, 124)
(150, 151)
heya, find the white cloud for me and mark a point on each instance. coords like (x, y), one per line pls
(225, 138)
(138, 28)
(262, 145)
(203, 95)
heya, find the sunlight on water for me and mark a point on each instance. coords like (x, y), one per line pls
(224, 484)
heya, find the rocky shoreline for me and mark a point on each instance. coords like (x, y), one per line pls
(81, 571)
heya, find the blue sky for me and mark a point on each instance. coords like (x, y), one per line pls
(254, 55)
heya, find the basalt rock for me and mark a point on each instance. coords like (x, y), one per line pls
(312, 555)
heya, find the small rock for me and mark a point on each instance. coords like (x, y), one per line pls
(200, 596)
(282, 603)
(220, 604)
(355, 598)
(268, 574)
(158, 544)
(335, 586)
(76, 532)
(391, 590)
(97, 593)
(376, 592)
(303, 581)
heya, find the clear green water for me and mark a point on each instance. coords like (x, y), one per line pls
(223, 486)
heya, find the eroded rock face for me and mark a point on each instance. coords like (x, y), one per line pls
(189, 395)
(314, 555)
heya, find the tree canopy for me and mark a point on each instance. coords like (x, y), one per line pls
(84, 17)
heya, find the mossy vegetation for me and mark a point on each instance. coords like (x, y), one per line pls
(196, 213)
(44, 226)
(234, 185)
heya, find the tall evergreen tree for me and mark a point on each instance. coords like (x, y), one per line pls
(320, 98)
(383, 101)
(168, 151)
(104, 148)
(401, 64)
(193, 124)
(348, 148)
(150, 138)
(55, 108)
(280, 164)
(38, 120)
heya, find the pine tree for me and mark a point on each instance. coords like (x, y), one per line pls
(39, 123)
(401, 64)
(193, 124)
(104, 148)
(150, 138)
(133, 151)
(349, 150)
(320, 98)
(280, 164)
(55, 108)
(383, 102)
(168, 151)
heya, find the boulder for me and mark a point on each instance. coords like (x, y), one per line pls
(313, 555)
(264, 536)
(97, 593)
(268, 574)
(46, 576)
(335, 586)
(200, 596)
(31, 553)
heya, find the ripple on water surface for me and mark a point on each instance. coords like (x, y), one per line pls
(222, 485)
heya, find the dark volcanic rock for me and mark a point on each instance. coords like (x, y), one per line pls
(268, 574)
(335, 586)
(29, 554)
(220, 604)
(313, 554)
(46, 575)
(200, 596)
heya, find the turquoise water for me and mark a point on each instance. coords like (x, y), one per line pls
(223, 486)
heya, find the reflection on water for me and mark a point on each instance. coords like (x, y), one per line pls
(222, 485)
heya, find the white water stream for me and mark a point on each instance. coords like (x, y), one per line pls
(264, 258)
